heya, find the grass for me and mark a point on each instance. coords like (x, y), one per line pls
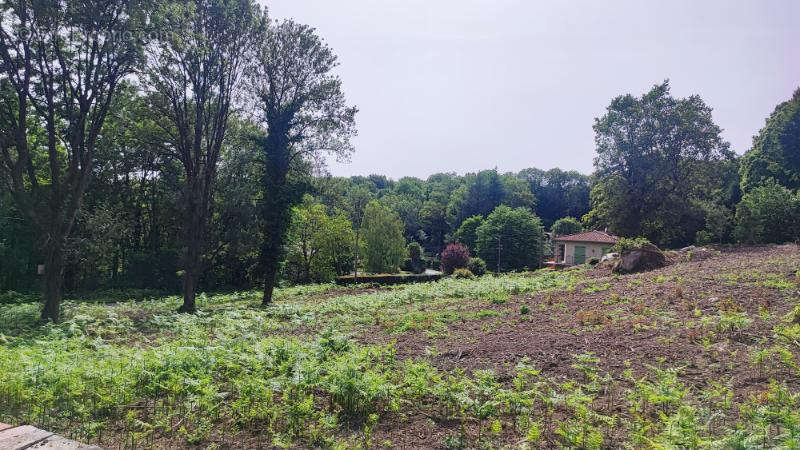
(328, 366)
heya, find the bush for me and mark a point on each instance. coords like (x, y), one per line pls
(628, 244)
(414, 251)
(387, 278)
(415, 262)
(477, 266)
(463, 273)
(454, 256)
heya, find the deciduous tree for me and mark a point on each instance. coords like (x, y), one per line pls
(61, 63)
(656, 155)
(193, 72)
(302, 103)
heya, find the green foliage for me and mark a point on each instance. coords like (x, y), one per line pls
(463, 272)
(467, 232)
(320, 246)
(477, 266)
(415, 262)
(768, 213)
(566, 225)
(775, 154)
(385, 246)
(558, 193)
(627, 244)
(515, 236)
(482, 192)
(659, 157)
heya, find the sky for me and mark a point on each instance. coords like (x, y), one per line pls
(466, 85)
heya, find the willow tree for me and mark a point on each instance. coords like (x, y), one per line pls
(193, 74)
(306, 116)
(61, 63)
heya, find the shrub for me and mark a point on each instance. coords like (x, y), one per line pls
(477, 266)
(463, 273)
(628, 244)
(415, 262)
(414, 251)
(454, 256)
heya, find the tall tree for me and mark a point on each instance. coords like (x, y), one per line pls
(657, 157)
(60, 65)
(558, 193)
(776, 149)
(306, 115)
(383, 238)
(510, 239)
(194, 72)
(357, 201)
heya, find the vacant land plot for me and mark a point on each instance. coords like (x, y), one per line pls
(698, 354)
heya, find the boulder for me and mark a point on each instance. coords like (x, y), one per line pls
(607, 261)
(692, 253)
(647, 257)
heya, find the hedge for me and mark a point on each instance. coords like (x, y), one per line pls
(388, 278)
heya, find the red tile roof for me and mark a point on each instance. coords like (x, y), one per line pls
(589, 236)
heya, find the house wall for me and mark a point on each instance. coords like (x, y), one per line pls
(593, 250)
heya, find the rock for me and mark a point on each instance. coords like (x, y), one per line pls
(610, 257)
(607, 261)
(700, 253)
(648, 257)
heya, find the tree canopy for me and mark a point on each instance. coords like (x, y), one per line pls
(776, 149)
(657, 158)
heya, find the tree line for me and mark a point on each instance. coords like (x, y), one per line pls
(180, 145)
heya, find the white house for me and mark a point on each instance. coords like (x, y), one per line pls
(572, 249)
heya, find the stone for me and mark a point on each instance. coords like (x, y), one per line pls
(648, 257)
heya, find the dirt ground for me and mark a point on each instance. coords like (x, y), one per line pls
(631, 321)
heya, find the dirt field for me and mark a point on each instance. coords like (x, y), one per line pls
(699, 354)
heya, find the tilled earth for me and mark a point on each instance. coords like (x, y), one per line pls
(633, 321)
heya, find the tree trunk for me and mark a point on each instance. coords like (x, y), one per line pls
(193, 252)
(276, 223)
(355, 263)
(53, 280)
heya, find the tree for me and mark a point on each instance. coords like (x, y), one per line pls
(467, 232)
(358, 199)
(60, 65)
(511, 239)
(320, 246)
(479, 195)
(776, 149)
(566, 225)
(768, 213)
(193, 74)
(558, 193)
(304, 108)
(385, 246)
(656, 157)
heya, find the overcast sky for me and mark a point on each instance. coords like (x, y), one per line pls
(465, 85)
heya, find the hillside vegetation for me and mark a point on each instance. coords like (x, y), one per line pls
(700, 354)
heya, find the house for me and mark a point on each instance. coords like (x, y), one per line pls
(572, 249)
